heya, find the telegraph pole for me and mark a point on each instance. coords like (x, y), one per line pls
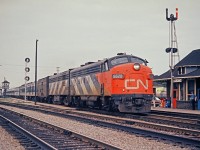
(36, 73)
(171, 50)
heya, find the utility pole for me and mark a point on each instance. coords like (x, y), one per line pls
(36, 73)
(171, 50)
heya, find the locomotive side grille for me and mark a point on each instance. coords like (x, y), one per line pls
(75, 86)
(82, 85)
(87, 85)
(58, 88)
(93, 85)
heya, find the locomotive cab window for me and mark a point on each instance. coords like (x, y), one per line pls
(104, 67)
(137, 60)
(120, 60)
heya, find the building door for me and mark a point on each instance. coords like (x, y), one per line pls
(198, 94)
(175, 97)
(175, 94)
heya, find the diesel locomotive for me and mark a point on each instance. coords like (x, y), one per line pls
(121, 83)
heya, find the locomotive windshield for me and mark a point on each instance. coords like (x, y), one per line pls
(120, 60)
(127, 59)
(137, 60)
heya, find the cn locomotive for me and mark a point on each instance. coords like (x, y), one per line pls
(123, 83)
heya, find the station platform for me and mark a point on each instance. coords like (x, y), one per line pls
(186, 111)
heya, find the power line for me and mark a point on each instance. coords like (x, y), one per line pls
(23, 65)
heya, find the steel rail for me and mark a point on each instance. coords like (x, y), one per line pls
(68, 132)
(179, 139)
(177, 114)
(29, 135)
(142, 121)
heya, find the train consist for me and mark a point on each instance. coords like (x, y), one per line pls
(123, 83)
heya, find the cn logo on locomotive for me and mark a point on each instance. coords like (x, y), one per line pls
(137, 82)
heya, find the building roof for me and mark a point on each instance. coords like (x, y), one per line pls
(192, 59)
(5, 81)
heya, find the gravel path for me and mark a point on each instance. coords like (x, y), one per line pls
(7, 142)
(117, 138)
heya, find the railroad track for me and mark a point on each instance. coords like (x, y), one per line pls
(177, 114)
(27, 140)
(35, 134)
(180, 122)
(173, 121)
(183, 136)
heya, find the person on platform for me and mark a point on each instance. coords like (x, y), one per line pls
(193, 100)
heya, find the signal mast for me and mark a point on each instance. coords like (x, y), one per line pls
(173, 47)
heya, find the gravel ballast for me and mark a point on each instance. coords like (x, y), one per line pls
(119, 139)
(8, 142)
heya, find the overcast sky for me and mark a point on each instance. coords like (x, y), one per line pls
(72, 32)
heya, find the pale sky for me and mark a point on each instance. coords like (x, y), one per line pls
(73, 32)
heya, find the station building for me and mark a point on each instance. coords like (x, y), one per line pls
(186, 78)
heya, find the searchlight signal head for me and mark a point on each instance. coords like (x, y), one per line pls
(171, 18)
(176, 13)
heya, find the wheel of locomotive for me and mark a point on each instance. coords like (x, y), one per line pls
(77, 101)
(99, 103)
(105, 104)
(67, 102)
(62, 100)
(38, 99)
(50, 101)
(45, 100)
(112, 105)
(83, 104)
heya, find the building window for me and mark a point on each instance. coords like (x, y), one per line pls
(181, 91)
(181, 70)
(190, 87)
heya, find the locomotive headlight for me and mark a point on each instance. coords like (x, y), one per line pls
(136, 66)
(118, 76)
